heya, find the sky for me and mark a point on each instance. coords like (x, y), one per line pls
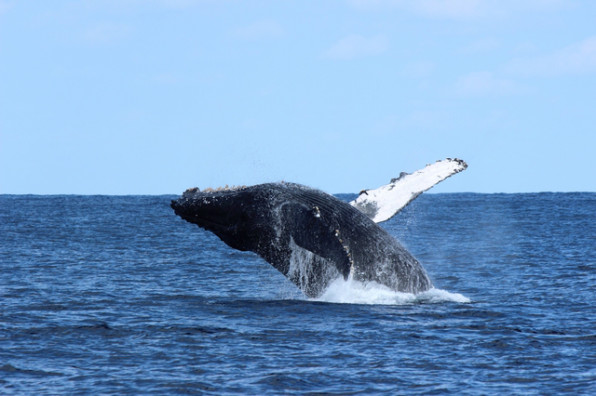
(155, 96)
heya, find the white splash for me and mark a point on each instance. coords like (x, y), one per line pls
(303, 265)
(355, 292)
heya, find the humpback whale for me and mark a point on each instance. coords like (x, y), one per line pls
(312, 237)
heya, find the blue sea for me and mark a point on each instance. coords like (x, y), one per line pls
(117, 295)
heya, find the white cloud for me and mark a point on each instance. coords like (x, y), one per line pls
(173, 4)
(432, 8)
(450, 9)
(577, 58)
(485, 84)
(356, 46)
(260, 30)
(4, 6)
(462, 9)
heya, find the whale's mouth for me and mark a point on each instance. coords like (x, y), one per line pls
(205, 218)
(209, 224)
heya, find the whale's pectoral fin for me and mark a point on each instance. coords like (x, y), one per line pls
(384, 202)
(310, 232)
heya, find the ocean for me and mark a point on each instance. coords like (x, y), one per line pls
(117, 295)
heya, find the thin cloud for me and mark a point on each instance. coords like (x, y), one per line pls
(485, 84)
(174, 4)
(356, 46)
(462, 9)
(433, 8)
(4, 6)
(450, 9)
(578, 58)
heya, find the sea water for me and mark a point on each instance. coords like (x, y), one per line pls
(117, 295)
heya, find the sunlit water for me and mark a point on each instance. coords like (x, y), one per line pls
(118, 295)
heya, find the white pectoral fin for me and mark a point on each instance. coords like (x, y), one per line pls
(384, 202)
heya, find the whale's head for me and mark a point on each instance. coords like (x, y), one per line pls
(236, 215)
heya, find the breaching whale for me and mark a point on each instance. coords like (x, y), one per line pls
(312, 237)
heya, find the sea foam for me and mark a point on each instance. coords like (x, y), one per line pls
(355, 292)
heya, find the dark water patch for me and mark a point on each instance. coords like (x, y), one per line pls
(10, 369)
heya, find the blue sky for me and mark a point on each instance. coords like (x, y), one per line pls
(152, 97)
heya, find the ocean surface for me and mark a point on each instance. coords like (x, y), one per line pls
(117, 295)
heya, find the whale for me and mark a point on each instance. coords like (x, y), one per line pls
(314, 238)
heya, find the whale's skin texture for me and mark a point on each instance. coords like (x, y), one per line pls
(309, 236)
